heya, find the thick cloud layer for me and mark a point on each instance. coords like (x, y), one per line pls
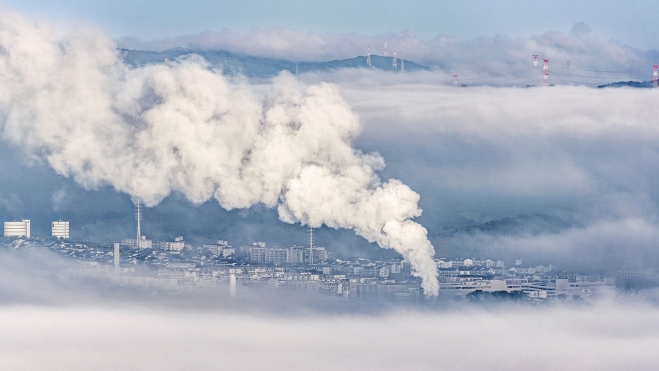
(585, 156)
(605, 338)
(182, 128)
(576, 56)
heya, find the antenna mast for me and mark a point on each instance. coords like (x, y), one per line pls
(394, 64)
(545, 72)
(655, 76)
(535, 60)
(138, 216)
(455, 79)
(310, 245)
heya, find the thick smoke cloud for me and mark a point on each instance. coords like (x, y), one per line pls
(183, 128)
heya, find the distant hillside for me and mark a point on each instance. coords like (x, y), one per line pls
(250, 66)
(628, 84)
(533, 224)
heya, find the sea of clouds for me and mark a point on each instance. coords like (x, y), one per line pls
(61, 322)
(587, 157)
(83, 338)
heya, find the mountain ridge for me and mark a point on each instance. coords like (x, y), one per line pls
(252, 66)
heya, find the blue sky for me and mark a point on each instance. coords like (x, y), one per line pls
(630, 22)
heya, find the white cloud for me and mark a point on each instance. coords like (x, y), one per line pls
(617, 337)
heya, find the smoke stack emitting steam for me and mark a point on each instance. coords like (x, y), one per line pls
(182, 127)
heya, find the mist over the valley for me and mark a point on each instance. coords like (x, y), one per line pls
(79, 322)
(381, 162)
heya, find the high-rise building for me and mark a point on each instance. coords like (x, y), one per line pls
(295, 255)
(60, 229)
(18, 228)
(315, 255)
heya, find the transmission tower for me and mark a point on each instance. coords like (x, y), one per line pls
(655, 76)
(535, 60)
(394, 64)
(545, 72)
(455, 79)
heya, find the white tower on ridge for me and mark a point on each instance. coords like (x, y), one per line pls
(368, 56)
(394, 64)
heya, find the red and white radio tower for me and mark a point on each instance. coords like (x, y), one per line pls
(535, 60)
(545, 72)
(655, 76)
(455, 79)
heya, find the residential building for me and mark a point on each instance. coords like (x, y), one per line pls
(60, 229)
(18, 228)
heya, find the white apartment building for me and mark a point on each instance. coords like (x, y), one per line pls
(18, 228)
(60, 229)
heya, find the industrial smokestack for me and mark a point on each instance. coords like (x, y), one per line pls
(116, 258)
(185, 128)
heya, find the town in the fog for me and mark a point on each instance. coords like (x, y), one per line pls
(178, 266)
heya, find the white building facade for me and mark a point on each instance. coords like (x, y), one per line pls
(60, 229)
(18, 228)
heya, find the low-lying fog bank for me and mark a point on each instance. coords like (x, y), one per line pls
(512, 338)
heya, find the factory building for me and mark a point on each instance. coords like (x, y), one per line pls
(18, 228)
(60, 229)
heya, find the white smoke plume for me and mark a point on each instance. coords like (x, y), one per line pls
(183, 128)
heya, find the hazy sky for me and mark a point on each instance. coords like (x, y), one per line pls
(630, 22)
